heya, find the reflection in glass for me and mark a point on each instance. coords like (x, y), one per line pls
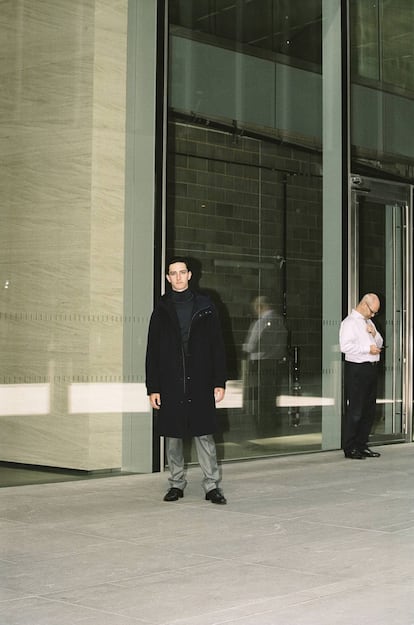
(291, 28)
(382, 45)
(365, 45)
(398, 43)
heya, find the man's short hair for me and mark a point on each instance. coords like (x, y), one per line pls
(177, 259)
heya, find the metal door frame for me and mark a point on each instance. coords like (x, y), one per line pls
(387, 192)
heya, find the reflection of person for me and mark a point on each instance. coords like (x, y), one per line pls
(185, 376)
(265, 347)
(361, 343)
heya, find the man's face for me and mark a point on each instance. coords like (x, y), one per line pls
(178, 276)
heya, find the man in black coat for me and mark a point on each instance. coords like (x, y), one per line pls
(186, 377)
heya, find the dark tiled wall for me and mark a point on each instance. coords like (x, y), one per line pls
(226, 208)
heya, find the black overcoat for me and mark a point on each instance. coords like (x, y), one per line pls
(185, 382)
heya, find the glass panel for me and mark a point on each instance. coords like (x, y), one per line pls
(245, 201)
(382, 87)
(398, 43)
(382, 45)
(254, 233)
(364, 35)
(284, 27)
(381, 270)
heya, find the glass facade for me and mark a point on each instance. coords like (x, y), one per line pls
(245, 202)
(250, 161)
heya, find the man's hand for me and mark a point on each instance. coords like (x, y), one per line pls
(218, 394)
(155, 400)
(374, 350)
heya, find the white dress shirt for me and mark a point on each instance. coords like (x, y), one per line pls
(355, 340)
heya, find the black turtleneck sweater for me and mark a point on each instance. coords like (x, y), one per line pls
(183, 303)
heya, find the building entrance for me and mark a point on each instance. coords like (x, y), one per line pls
(380, 261)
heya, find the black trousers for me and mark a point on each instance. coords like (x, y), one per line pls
(360, 396)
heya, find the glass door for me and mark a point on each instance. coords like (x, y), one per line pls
(380, 261)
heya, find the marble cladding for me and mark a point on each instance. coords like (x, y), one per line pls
(62, 113)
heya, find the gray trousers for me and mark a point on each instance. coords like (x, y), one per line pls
(207, 458)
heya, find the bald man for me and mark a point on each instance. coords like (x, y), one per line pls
(361, 343)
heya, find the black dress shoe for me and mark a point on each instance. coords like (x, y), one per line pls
(368, 453)
(215, 496)
(354, 454)
(174, 494)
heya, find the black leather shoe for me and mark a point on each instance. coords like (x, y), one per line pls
(215, 496)
(174, 494)
(368, 453)
(354, 454)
